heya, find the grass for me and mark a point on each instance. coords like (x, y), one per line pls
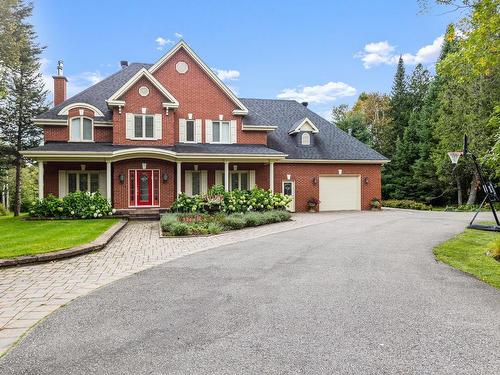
(19, 237)
(469, 252)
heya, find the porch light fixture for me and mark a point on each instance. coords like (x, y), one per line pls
(235, 167)
(288, 177)
(315, 180)
(366, 180)
(144, 165)
(122, 178)
(82, 166)
(164, 177)
(340, 171)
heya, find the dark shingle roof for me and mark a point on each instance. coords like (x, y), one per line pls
(98, 93)
(179, 148)
(331, 143)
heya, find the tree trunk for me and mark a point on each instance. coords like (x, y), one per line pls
(473, 189)
(17, 193)
(459, 191)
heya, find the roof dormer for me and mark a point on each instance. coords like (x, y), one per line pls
(303, 125)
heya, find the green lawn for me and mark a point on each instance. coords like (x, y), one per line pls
(20, 237)
(467, 252)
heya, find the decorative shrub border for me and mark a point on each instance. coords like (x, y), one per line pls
(199, 224)
(98, 244)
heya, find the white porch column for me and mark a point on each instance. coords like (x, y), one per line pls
(179, 178)
(108, 181)
(40, 180)
(271, 176)
(226, 175)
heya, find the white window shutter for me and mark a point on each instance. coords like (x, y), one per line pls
(63, 184)
(129, 126)
(204, 182)
(232, 131)
(197, 131)
(208, 131)
(157, 122)
(188, 183)
(251, 178)
(182, 130)
(102, 183)
(219, 179)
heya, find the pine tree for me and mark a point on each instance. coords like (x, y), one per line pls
(399, 101)
(25, 96)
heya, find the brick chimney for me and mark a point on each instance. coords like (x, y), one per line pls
(60, 82)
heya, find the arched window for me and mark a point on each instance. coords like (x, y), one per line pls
(306, 139)
(80, 130)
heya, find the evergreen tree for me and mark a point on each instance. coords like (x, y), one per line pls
(25, 96)
(399, 103)
(355, 123)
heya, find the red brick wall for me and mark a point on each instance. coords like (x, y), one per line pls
(303, 175)
(120, 190)
(198, 94)
(261, 172)
(60, 84)
(134, 104)
(60, 133)
(51, 173)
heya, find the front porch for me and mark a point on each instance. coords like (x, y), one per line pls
(139, 184)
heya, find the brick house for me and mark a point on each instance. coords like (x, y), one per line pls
(151, 131)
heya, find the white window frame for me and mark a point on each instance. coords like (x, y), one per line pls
(81, 129)
(78, 173)
(308, 137)
(239, 173)
(194, 131)
(220, 122)
(153, 137)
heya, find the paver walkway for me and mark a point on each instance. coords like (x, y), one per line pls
(29, 293)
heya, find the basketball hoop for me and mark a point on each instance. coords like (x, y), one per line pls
(454, 156)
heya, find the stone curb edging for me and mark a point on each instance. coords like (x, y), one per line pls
(98, 244)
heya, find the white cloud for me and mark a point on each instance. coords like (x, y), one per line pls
(378, 53)
(178, 35)
(328, 92)
(162, 42)
(227, 75)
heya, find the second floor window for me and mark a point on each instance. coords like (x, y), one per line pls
(189, 130)
(144, 127)
(81, 130)
(221, 132)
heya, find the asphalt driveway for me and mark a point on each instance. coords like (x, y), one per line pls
(358, 295)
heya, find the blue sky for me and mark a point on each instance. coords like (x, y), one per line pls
(325, 52)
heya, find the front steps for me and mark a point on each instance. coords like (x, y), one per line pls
(139, 213)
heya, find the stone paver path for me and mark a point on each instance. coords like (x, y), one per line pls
(29, 293)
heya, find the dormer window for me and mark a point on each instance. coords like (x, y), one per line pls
(81, 130)
(306, 139)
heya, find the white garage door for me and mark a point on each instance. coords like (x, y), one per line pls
(339, 193)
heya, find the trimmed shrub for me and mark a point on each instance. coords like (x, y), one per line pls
(214, 228)
(3, 210)
(407, 203)
(254, 219)
(180, 229)
(78, 205)
(235, 221)
(495, 248)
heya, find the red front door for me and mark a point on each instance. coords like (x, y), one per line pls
(144, 188)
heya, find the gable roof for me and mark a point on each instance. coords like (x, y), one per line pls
(143, 72)
(96, 95)
(183, 45)
(297, 126)
(331, 143)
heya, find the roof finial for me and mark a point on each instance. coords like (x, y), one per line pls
(60, 65)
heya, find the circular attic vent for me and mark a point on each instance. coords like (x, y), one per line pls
(181, 67)
(143, 91)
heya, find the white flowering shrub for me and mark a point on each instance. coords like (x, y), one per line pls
(78, 205)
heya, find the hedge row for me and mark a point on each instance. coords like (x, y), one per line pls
(78, 205)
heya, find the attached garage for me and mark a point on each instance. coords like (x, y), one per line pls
(339, 193)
